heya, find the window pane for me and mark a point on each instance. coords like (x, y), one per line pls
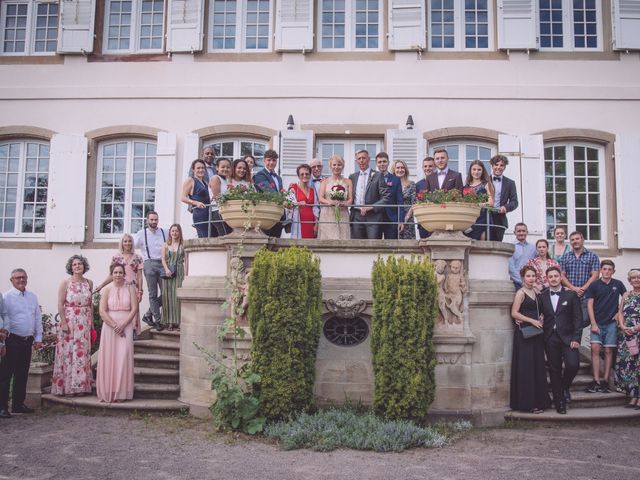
(46, 27)
(151, 24)
(224, 24)
(118, 24)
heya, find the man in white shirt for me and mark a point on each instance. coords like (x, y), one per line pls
(149, 241)
(23, 322)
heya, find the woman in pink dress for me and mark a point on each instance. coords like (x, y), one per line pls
(133, 264)
(118, 309)
(72, 365)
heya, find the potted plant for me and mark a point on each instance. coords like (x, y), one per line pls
(243, 207)
(448, 210)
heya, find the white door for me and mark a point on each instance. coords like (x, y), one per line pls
(347, 149)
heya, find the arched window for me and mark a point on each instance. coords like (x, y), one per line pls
(24, 179)
(125, 185)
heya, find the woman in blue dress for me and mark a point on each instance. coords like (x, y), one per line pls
(479, 181)
(195, 193)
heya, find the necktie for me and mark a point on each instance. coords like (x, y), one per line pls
(554, 293)
(497, 179)
(441, 173)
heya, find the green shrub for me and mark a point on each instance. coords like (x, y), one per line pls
(285, 317)
(404, 313)
(343, 428)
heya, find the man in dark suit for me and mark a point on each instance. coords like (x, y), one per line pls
(443, 178)
(371, 190)
(267, 180)
(506, 197)
(562, 316)
(390, 229)
(428, 166)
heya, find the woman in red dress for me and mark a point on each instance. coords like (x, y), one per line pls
(305, 215)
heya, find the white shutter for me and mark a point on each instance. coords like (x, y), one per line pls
(627, 161)
(407, 29)
(67, 193)
(406, 145)
(185, 25)
(626, 24)
(517, 25)
(294, 148)
(191, 150)
(294, 25)
(509, 146)
(166, 198)
(77, 19)
(532, 194)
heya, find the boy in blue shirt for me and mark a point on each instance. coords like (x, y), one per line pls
(603, 299)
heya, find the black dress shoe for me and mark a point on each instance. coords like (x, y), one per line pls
(567, 395)
(158, 326)
(4, 413)
(22, 409)
(148, 319)
(562, 409)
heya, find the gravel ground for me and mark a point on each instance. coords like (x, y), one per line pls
(72, 446)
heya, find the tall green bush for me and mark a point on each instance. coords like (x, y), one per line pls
(404, 313)
(285, 317)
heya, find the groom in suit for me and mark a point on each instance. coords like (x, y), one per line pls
(506, 197)
(443, 178)
(562, 331)
(370, 190)
(267, 180)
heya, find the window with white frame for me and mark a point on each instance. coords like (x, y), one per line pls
(350, 24)
(126, 186)
(233, 148)
(28, 27)
(347, 149)
(570, 24)
(574, 184)
(461, 154)
(460, 24)
(24, 179)
(133, 26)
(240, 25)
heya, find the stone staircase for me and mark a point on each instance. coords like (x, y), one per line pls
(156, 379)
(584, 407)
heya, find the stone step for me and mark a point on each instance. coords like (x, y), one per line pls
(155, 360)
(157, 347)
(165, 336)
(156, 375)
(577, 415)
(597, 400)
(140, 405)
(163, 391)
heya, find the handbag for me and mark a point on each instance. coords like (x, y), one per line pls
(173, 268)
(530, 331)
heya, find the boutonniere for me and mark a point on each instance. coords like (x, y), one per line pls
(389, 184)
(272, 185)
(564, 303)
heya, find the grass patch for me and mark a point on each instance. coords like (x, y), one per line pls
(340, 428)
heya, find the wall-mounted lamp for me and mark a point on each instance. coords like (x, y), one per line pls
(290, 122)
(409, 122)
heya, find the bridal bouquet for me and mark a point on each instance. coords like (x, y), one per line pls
(338, 192)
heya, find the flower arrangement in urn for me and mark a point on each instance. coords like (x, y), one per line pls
(442, 197)
(250, 195)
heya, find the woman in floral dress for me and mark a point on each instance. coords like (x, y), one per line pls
(628, 360)
(541, 262)
(72, 365)
(133, 264)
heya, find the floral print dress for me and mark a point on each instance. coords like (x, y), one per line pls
(72, 366)
(627, 365)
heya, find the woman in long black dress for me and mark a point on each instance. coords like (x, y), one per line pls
(529, 390)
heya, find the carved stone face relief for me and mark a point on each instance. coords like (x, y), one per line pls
(346, 306)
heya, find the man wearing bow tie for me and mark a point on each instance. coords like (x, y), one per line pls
(506, 197)
(443, 178)
(371, 195)
(562, 326)
(316, 174)
(267, 180)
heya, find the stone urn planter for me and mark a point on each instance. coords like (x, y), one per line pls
(240, 214)
(449, 216)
